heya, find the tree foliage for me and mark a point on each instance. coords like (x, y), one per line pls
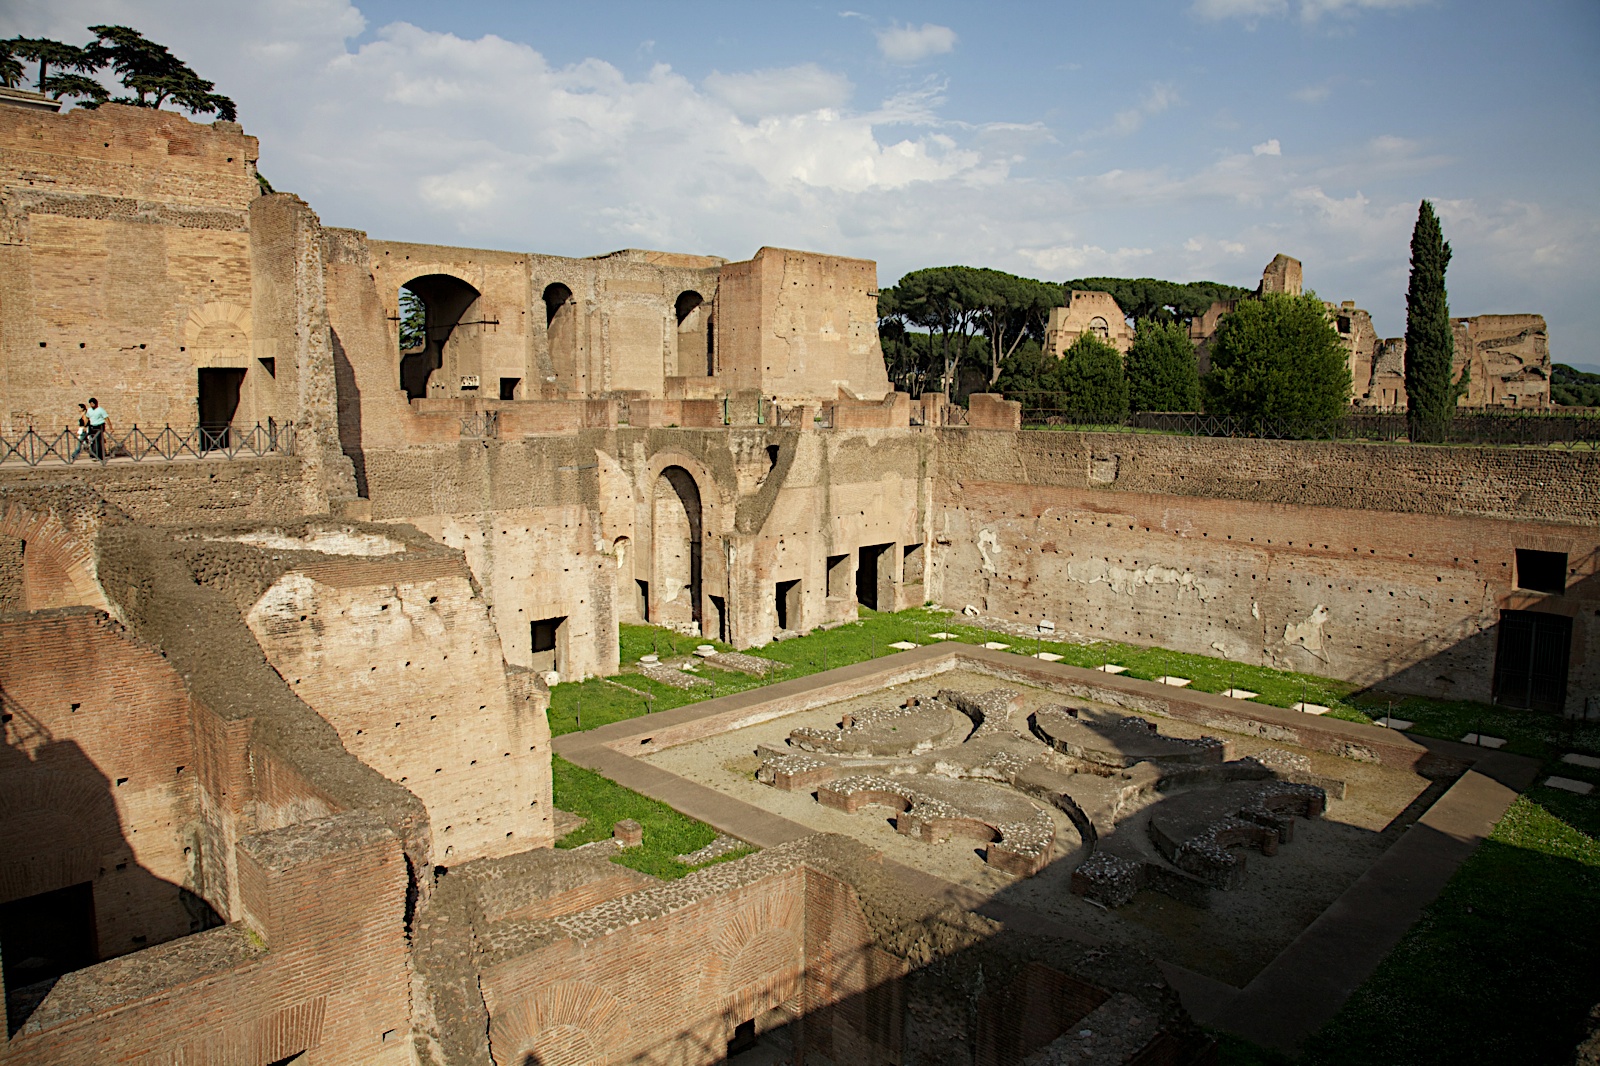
(1278, 357)
(1571, 387)
(413, 321)
(955, 306)
(154, 75)
(1086, 384)
(1162, 372)
(1161, 301)
(1430, 345)
(149, 71)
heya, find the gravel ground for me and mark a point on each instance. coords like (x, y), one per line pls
(1230, 940)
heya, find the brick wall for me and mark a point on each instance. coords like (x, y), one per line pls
(674, 987)
(1351, 590)
(99, 773)
(125, 250)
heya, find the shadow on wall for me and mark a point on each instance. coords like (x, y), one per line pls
(1543, 646)
(349, 397)
(71, 894)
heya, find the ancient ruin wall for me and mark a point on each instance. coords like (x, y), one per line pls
(402, 660)
(1174, 543)
(124, 264)
(798, 325)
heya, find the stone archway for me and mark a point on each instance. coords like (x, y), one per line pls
(676, 535)
(43, 565)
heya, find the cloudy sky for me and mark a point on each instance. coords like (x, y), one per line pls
(1187, 139)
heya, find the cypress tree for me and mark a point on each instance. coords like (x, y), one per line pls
(1430, 346)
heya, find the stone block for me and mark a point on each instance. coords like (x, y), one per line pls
(1112, 668)
(1567, 784)
(628, 833)
(1589, 761)
(903, 645)
(1048, 656)
(1391, 722)
(1240, 694)
(1175, 682)
(995, 645)
(1483, 740)
(1309, 708)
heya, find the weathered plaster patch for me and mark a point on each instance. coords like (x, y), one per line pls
(988, 541)
(1125, 581)
(1308, 634)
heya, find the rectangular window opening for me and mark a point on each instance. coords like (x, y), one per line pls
(838, 577)
(788, 602)
(508, 388)
(1541, 571)
(43, 937)
(912, 572)
(719, 608)
(875, 577)
(547, 636)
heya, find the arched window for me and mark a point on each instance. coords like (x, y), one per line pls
(1099, 328)
(431, 307)
(561, 325)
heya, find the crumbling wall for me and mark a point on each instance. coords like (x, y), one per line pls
(400, 657)
(1366, 563)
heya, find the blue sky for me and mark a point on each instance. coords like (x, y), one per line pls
(1191, 139)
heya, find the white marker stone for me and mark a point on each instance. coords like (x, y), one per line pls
(1175, 682)
(1309, 708)
(1567, 784)
(1241, 694)
(1047, 656)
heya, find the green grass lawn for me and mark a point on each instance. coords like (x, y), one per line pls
(604, 802)
(1502, 968)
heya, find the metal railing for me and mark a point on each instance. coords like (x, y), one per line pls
(136, 444)
(480, 425)
(1479, 426)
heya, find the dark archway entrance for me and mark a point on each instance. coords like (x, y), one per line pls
(445, 302)
(561, 327)
(676, 530)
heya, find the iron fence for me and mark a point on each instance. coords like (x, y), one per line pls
(480, 425)
(1480, 426)
(136, 444)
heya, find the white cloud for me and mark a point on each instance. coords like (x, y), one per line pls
(1192, 245)
(1232, 247)
(912, 44)
(785, 91)
(1160, 97)
(1267, 147)
(1241, 9)
(1252, 11)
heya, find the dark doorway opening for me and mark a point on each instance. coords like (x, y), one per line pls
(788, 601)
(1530, 663)
(41, 938)
(719, 607)
(744, 1037)
(508, 388)
(643, 587)
(444, 303)
(547, 634)
(219, 402)
(874, 579)
(911, 571)
(838, 577)
(1541, 571)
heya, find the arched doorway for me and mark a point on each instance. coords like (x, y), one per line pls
(561, 327)
(693, 334)
(676, 529)
(431, 307)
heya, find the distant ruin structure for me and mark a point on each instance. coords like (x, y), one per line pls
(1096, 313)
(1506, 358)
(277, 764)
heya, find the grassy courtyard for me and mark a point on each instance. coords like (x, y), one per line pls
(1501, 967)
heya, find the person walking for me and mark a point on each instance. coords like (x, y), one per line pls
(99, 423)
(83, 432)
